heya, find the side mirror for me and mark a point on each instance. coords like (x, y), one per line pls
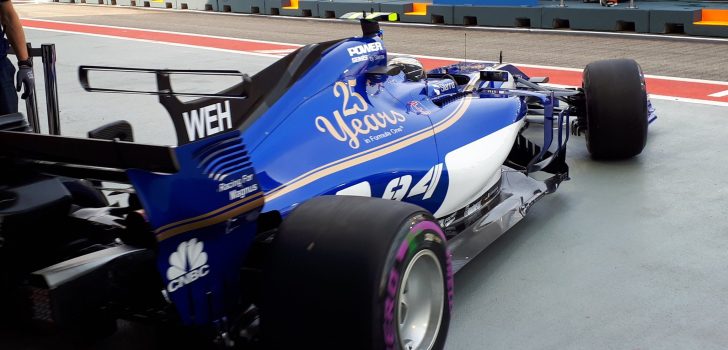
(493, 75)
(119, 130)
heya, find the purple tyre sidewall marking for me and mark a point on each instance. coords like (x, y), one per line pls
(393, 279)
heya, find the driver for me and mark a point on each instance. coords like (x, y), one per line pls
(411, 67)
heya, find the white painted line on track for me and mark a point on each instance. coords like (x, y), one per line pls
(159, 42)
(719, 94)
(276, 53)
(299, 45)
(688, 100)
(688, 80)
(158, 31)
(664, 77)
(661, 97)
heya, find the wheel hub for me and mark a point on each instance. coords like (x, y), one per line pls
(421, 302)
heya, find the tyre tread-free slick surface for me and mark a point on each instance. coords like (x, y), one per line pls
(616, 109)
(335, 269)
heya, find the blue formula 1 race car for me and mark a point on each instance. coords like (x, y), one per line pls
(323, 203)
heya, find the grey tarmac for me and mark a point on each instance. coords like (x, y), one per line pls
(659, 56)
(626, 255)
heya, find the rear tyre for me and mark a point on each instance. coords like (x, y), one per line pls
(357, 273)
(616, 109)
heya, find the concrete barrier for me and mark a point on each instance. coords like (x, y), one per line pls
(136, 3)
(400, 7)
(672, 21)
(703, 30)
(601, 19)
(498, 16)
(240, 6)
(712, 23)
(415, 12)
(309, 8)
(651, 17)
(295, 8)
(508, 3)
(330, 9)
(93, 2)
(441, 14)
(201, 5)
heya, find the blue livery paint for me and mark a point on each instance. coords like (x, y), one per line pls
(335, 128)
(215, 177)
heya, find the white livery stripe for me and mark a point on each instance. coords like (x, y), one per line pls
(475, 167)
(362, 189)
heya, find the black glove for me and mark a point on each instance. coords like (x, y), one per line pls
(25, 78)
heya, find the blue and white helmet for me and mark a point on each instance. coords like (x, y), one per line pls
(412, 68)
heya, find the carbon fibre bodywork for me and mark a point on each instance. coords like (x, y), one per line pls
(328, 119)
(340, 127)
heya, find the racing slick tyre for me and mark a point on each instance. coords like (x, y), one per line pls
(357, 273)
(616, 109)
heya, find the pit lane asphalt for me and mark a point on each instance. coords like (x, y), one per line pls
(626, 255)
(677, 58)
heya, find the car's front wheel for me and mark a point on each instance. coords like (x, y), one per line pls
(357, 273)
(616, 109)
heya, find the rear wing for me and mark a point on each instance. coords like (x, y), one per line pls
(237, 106)
(210, 114)
(87, 158)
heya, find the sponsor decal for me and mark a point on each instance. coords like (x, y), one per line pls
(417, 107)
(365, 48)
(441, 86)
(243, 192)
(399, 188)
(359, 59)
(187, 265)
(384, 135)
(350, 123)
(421, 232)
(237, 188)
(208, 120)
(361, 53)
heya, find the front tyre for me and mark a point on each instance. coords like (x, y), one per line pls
(357, 273)
(616, 109)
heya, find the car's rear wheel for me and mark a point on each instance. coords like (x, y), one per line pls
(357, 273)
(616, 109)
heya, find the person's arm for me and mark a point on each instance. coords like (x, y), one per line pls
(14, 32)
(13, 29)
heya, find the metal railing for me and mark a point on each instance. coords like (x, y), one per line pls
(47, 52)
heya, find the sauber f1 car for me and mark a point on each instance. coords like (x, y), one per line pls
(322, 203)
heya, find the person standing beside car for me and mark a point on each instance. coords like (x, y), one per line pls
(13, 35)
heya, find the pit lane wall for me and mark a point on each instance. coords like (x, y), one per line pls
(658, 17)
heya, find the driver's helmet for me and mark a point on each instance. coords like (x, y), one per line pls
(411, 67)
